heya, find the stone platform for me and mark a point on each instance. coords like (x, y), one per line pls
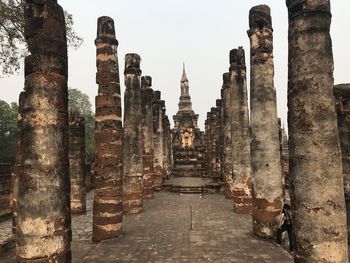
(191, 185)
(174, 228)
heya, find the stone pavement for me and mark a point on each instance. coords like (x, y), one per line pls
(175, 228)
(187, 181)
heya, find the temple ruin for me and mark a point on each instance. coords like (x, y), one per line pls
(170, 192)
(188, 147)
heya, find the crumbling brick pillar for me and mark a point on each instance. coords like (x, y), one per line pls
(318, 201)
(241, 162)
(77, 163)
(212, 138)
(168, 148)
(147, 131)
(44, 222)
(207, 143)
(132, 142)
(227, 140)
(108, 172)
(342, 96)
(219, 139)
(265, 152)
(165, 142)
(158, 141)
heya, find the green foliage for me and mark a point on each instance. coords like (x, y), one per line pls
(8, 128)
(12, 41)
(79, 102)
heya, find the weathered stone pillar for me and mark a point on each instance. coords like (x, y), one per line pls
(108, 180)
(315, 158)
(220, 138)
(168, 148)
(241, 171)
(132, 142)
(43, 230)
(158, 141)
(212, 161)
(265, 152)
(342, 96)
(77, 163)
(147, 131)
(15, 175)
(208, 143)
(165, 142)
(227, 140)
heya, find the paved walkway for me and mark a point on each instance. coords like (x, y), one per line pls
(175, 228)
(187, 181)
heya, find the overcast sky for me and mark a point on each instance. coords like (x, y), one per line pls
(200, 33)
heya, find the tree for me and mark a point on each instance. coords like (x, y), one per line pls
(79, 102)
(8, 127)
(12, 42)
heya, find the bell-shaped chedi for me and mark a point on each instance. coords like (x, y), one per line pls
(188, 144)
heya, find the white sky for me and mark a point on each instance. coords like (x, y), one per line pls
(201, 33)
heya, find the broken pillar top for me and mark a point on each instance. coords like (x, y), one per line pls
(106, 30)
(260, 17)
(303, 6)
(132, 64)
(342, 90)
(237, 57)
(146, 82)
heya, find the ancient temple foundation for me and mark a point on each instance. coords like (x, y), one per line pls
(132, 141)
(108, 198)
(43, 224)
(265, 152)
(77, 163)
(147, 132)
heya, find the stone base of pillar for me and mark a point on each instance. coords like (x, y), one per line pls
(107, 226)
(133, 189)
(242, 199)
(228, 187)
(148, 187)
(158, 178)
(265, 214)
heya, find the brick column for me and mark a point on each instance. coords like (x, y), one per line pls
(147, 130)
(108, 182)
(241, 161)
(132, 142)
(265, 152)
(77, 163)
(342, 96)
(44, 222)
(315, 156)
